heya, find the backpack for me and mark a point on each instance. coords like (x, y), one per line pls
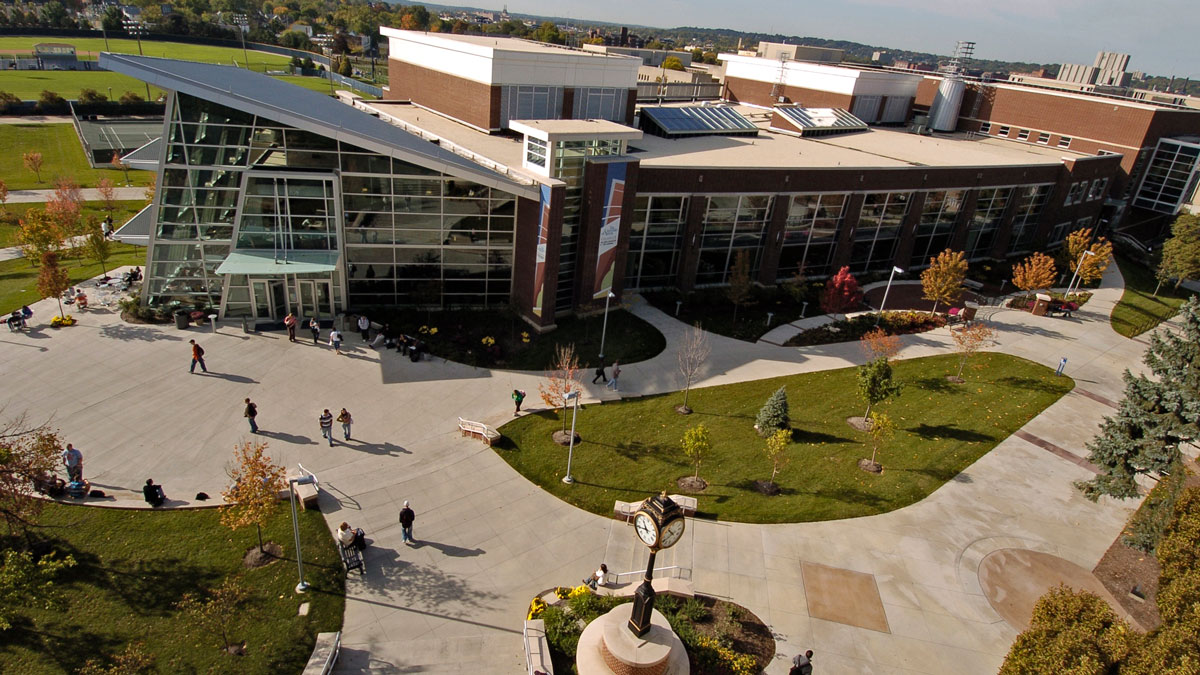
(199, 350)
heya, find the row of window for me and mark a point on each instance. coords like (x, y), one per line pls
(1082, 191)
(1005, 131)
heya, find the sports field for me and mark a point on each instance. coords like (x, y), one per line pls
(90, 47)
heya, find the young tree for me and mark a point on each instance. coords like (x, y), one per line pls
(4, 196)
(777, 447)
(151, 188)
(696, 445)
(216, 612)
(133, 660)
(693, 352)
(969, 339)
(107, 193)
(774, 414)
(841, 293)
(1090, 267)
(53, 280)
(65, 208)
(876, 383)
(563, 378)
(37, 234)
(25, 582)
(881, 431)
(98, 245)
(797, 286)
(117, 163)
(1181, 252)
(1036, 273)
(27, 454)
(876, 344)
(33, 162)
(253, 492)
(740, 285)
(942, 280)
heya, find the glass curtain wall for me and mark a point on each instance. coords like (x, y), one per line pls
(732, 224)
(655, 241)
(1030, 201)
(989, 211)
(567, 165)
(1171, 176)
(878, 230)
(936, 227)
(810, 234)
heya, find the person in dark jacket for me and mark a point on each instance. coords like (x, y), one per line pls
(153, 493)
(406, 523)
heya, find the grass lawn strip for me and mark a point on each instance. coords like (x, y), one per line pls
(630, 450)
(133, 566)
(1139, 310)
(12, 213)
(18, 278)
(259, 61)
(62, 155)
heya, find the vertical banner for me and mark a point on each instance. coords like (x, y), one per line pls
(539, 270)
(610, 229)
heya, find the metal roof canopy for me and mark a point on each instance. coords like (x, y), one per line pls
(672, 121)
(262, 263)
(289, 104)
(819, 121)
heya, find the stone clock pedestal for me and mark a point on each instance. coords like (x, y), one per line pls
(607, 647)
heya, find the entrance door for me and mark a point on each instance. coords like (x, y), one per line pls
(316, 299)
(270, 299)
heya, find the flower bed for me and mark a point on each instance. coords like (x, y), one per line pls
(1025, 302)
(721, 638)
(848, 330)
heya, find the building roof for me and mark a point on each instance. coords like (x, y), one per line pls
(695, 120)
(566, 130)
(304, 109)
(490, 43)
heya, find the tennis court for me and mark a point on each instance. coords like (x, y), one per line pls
(101, 137)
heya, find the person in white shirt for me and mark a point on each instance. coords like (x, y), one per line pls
(364, 327)
(349, 536)
(598, 577)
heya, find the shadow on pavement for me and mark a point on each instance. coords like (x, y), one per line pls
(240, 379)
(287, 438)
(384, 448)
(142, 333)
(448, 549)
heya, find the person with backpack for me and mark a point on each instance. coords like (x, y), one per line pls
(197, 357)
(518, 396)
(802, 664)
(250, 414)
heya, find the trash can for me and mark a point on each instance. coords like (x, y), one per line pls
(1041, 304)
(182, 317)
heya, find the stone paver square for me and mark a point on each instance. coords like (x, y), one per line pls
(843, 596)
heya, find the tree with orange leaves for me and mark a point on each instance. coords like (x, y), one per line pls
(876, 343)
(253, 493)
(563, 378)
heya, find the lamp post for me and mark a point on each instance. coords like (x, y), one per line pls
(306, 479)
(1077, 266)
(887, 290)
(571, 396)
(604, 330)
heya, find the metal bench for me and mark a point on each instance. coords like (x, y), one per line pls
(478, 430)
(352, 558)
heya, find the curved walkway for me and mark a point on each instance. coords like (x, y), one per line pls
(488, 540)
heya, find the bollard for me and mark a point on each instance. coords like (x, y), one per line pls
(769, 316)
(245, 325)
(804, 310)
(212, 319)
(678, 304)
(1062, 365)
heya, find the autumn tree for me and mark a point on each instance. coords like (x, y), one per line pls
(696, 445)
(693, 352)
(876, 384)
(98, 246)
(253, 492)
(53, 279)
(563, 378)
(65, 208)
(33, 162)
(4, 196)
(27, 454)
(133, 660)
(841, 294)
(942, 280)
(877, 344)
(117, 163)
(1181, 252)
(217, 611)
(777, 447)
(880, 431)
(1087, 267)
(37, 233)
(1037, 272)
(969, 339)
(740, 285)
(108, 194)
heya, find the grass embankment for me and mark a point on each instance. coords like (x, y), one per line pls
(18, 278)
(11, 215)
(1140, 309)
(630, 450)
(134, 566)
(62, 155)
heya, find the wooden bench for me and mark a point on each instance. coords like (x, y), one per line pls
(537, 650)
(478, 430)
(324, 654)
(686, 504)
(307, 495)
(352, 558)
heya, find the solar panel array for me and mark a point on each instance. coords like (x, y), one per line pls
(821, 121)
(695, 121)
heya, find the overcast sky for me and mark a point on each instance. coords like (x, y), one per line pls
(1162, 36)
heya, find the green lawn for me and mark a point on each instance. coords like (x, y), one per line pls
(630, 450)
(1139, 309)
(28, 85)
(62, 155)
(133, 566)
(18, 278)
(12, 213)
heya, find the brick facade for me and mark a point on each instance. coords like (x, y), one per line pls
(475, 103)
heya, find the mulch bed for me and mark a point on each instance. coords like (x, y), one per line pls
(749, 634)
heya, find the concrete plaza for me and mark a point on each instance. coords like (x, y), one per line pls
(488, 540)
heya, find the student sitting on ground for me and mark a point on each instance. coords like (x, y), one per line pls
(153, 493)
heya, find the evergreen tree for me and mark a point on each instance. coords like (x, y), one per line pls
(1174, 357)
(875, 383)
(774, 413)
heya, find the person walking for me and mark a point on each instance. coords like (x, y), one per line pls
(335, 340)
(406, 522)
(197, 357)
(612, 383)
(73, 460)
(600, 374)
(518, 396)
(326, 420)
(315, 327)
(345, 420)
(290, 322)
(250, 414)
(802, 664)
(364, 327)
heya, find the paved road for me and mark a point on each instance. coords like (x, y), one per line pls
(489, 540)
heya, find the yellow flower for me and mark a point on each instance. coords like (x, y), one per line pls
(433, 331)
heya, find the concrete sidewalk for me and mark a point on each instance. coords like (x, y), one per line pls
(488, 540)
(88, 195)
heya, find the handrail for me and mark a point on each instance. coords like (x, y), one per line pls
(528, 656)
(636, 573)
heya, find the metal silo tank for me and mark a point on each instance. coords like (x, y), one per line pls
(943, 114)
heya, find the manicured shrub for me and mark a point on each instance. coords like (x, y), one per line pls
(1070, 632)
(1148, 524)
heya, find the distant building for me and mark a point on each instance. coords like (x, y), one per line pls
(1108, 70)
(650, 57)
(782, 50)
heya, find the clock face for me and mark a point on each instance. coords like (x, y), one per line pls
(646, 530)
(673, 532)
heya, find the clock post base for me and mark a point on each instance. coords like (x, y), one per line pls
(608, 648)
